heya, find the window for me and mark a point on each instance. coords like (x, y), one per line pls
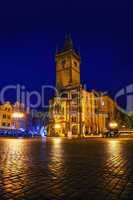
(74, 119)
(75, 64)
(74, 96)
(63, 63)
(3, 124)
(4, 116)
(64, 95)
(62, 111)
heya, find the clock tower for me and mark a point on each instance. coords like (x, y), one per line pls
(67, 66)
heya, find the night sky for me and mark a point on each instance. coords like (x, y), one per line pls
(31, 30)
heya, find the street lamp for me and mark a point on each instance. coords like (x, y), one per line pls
(113, 125)
(18, 116)
(57, 126)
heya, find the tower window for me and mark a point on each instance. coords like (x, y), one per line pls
(63, 63)
(75, 64)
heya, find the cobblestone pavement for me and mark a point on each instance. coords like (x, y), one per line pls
(63, 169)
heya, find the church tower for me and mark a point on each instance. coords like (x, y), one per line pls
(67, 66)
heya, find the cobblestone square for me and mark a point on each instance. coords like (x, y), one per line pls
(56, 168)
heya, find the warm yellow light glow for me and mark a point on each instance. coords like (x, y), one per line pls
(113, 142)
(18, 115)
(57, 126)
(114, 148)
(56, 141)
(113, 125)
(16, 149)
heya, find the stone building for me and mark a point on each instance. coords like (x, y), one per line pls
(6, 111)
(12, 116)
(76, 111)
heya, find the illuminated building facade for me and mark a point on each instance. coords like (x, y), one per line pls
(6, 111)
(12, 116)
(76, 111)
(19, 117)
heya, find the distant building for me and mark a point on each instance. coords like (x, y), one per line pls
(6, 111)
(12, 116)
(76, 111)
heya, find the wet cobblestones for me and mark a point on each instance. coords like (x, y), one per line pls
(55, 168)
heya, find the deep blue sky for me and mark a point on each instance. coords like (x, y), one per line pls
(30, 31)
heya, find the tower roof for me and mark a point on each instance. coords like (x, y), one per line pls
(68, 43)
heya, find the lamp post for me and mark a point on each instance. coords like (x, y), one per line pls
(18, 116)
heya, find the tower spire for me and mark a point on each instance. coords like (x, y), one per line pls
(68, 42)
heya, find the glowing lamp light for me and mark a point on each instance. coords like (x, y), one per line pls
(113, 125)
(18, 115)
(103, 103)
(56, 141)
(57, 126)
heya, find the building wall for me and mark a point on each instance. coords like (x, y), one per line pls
(94, 121)
(6, 115)
(67, 69)
(58, 117)
(109, 108)
(7, 119)
(78, 117)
